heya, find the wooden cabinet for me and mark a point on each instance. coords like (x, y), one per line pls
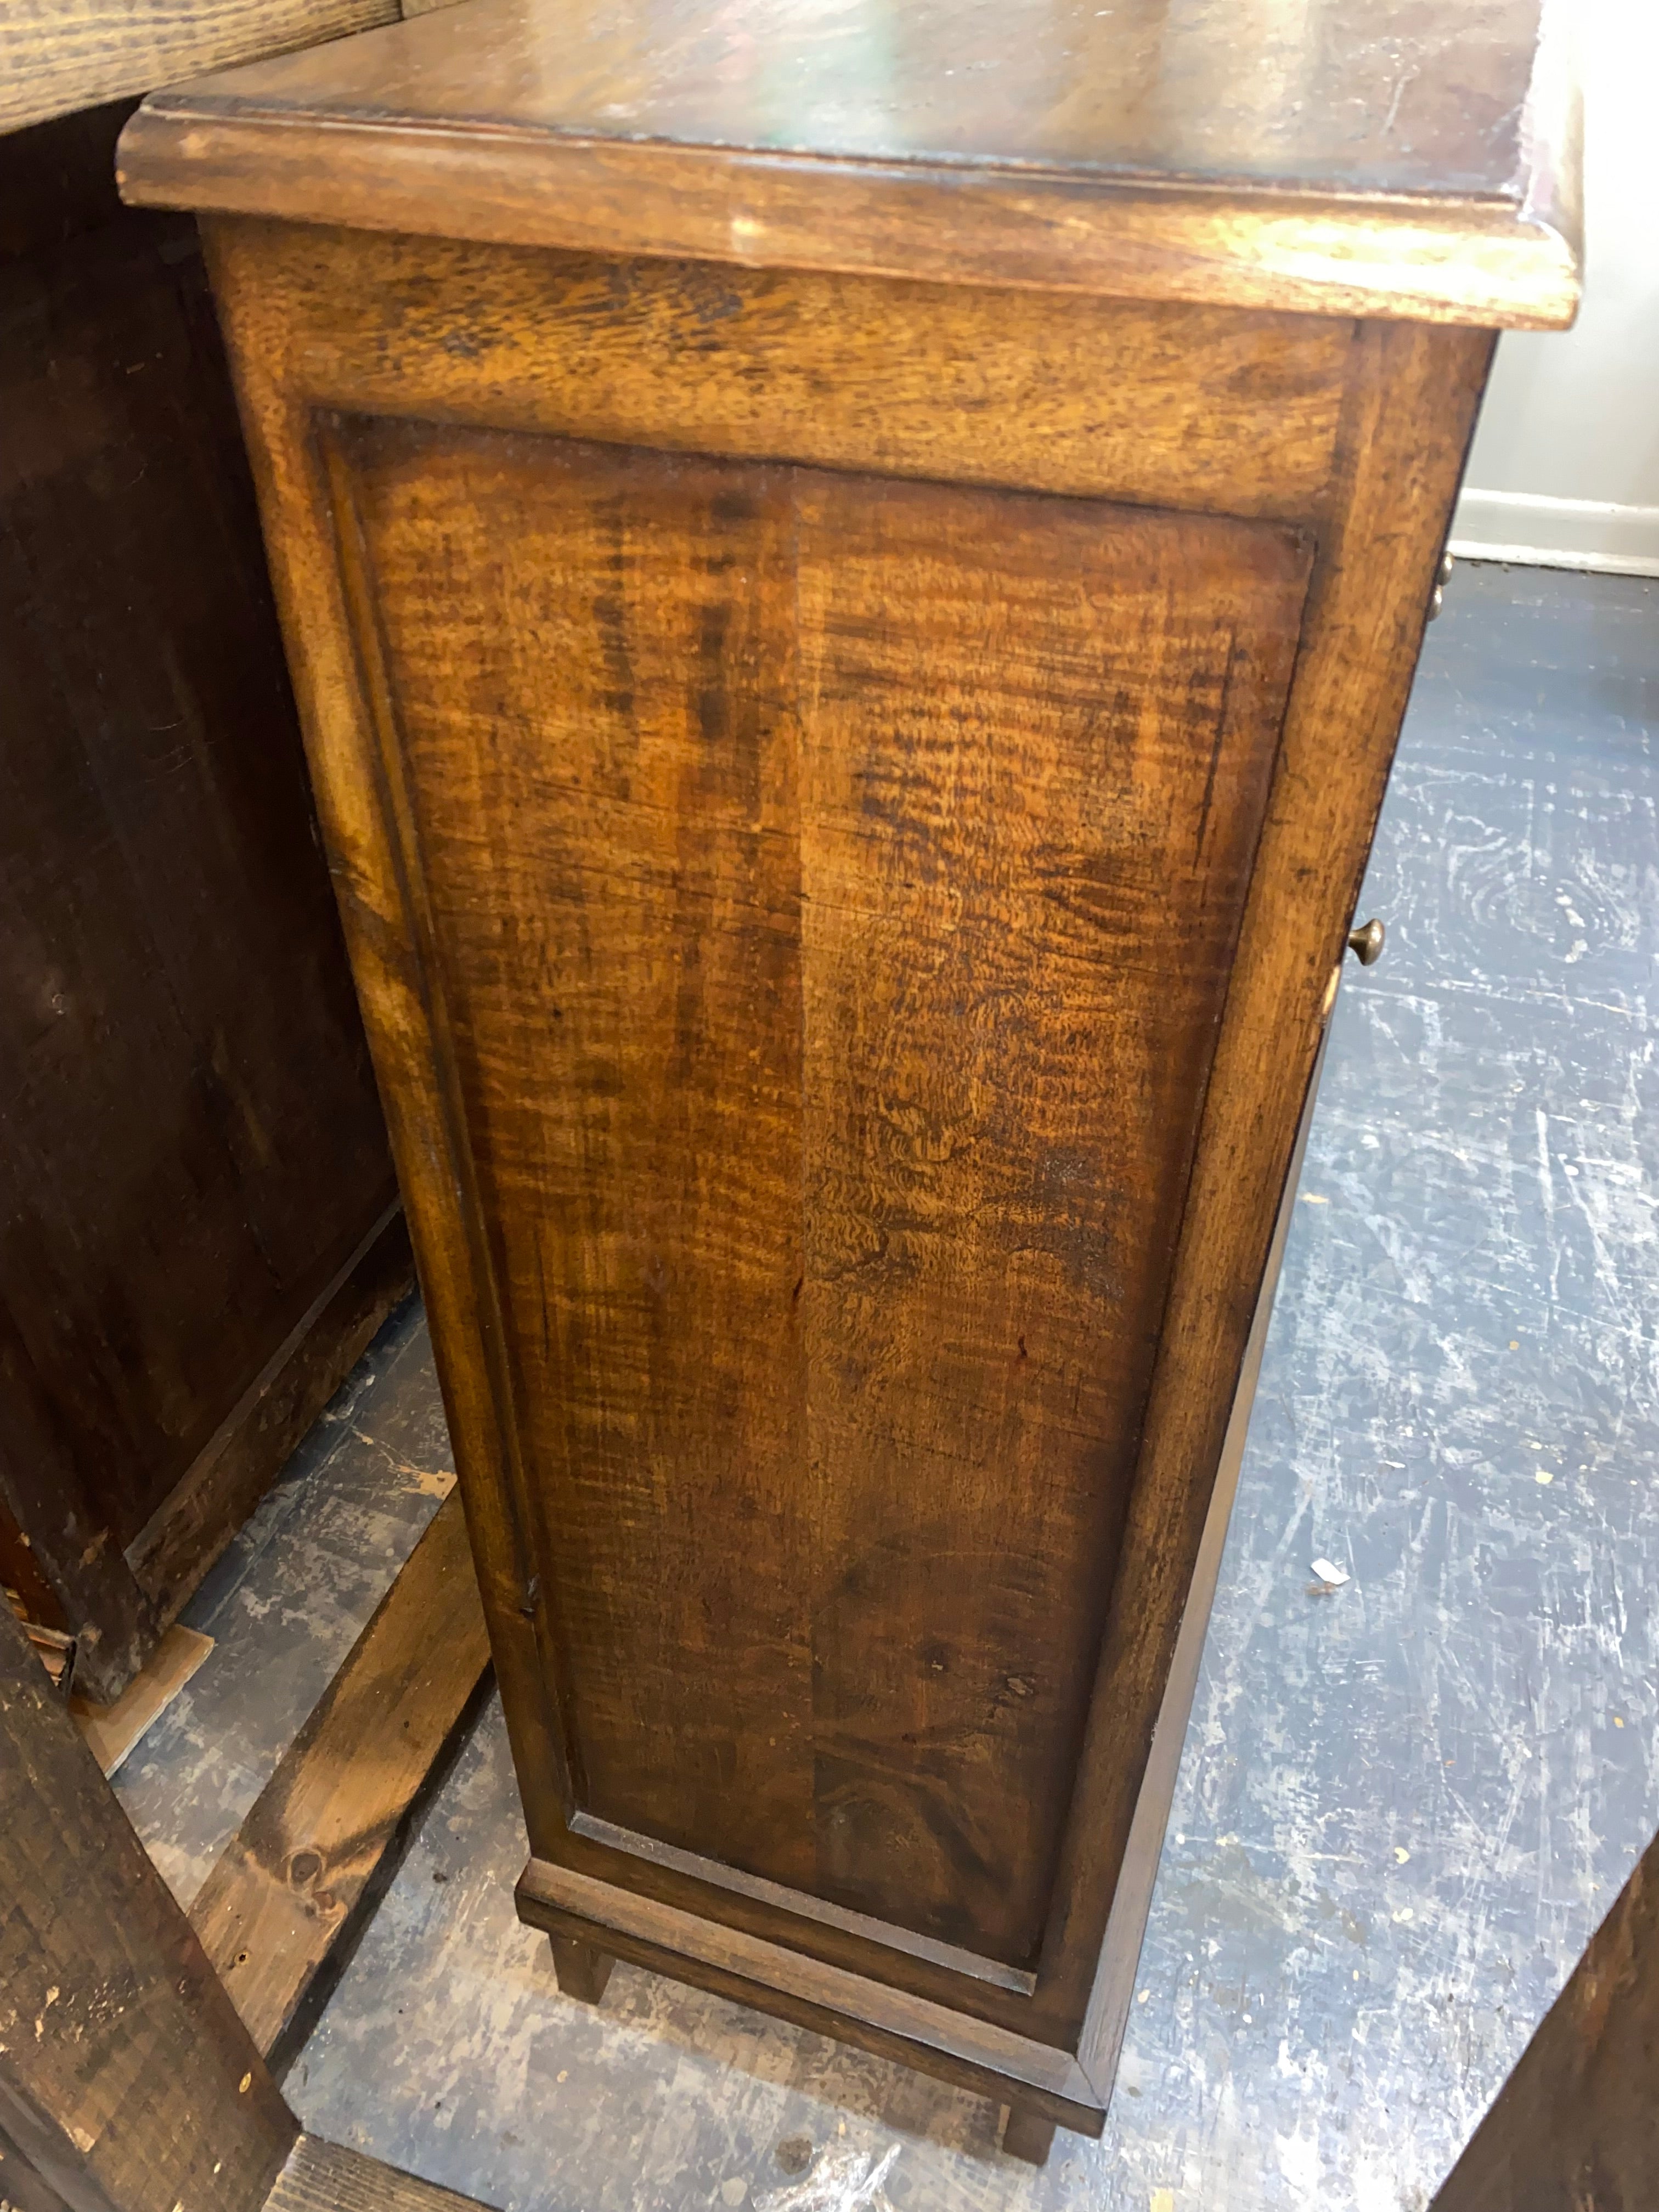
(198, 1219)
(853, 582)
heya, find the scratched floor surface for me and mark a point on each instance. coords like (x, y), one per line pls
(1403, 1806)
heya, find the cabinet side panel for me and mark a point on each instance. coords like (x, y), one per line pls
(834, 883)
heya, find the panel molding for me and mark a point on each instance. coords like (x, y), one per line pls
(1410, 415)
(798, 1905)
(850, 2007)
(1432, 260)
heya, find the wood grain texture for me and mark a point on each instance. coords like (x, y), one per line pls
(325, 2177)
(806, 916)
(126, 2080)
(192, 1146)
(1035, 391)
(1576, 2127)
(1026, 838)
(1402, 161)
(869, 1063)
(280, 1914)
(60, 55)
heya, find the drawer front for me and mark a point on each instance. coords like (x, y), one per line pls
(834, 883)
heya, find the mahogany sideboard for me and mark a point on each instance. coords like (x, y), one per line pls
(853, 579)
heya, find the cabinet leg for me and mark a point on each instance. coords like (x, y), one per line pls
(1028, 2136)
(582, 1971)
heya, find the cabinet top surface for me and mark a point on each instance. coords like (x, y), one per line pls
(1372, 95)
(1436, 111)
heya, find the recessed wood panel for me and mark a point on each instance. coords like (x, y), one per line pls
(834, 884)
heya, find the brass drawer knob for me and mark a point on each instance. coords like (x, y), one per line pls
(1365, 943)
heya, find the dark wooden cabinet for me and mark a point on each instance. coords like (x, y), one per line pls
(852, 603)
(198, 1214)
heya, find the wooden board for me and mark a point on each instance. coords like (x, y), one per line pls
(282, 1911)
(325, 2177)
(127, 2082)
(57, 55)
(110, 1732)
(203, 1511)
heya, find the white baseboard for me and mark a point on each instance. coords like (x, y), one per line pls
(1556, 533)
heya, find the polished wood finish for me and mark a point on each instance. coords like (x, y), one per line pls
(1124, 151)
(846, 792)
(1576, 2126)
(281, 1912)
(198, 1220)
(745, 1083)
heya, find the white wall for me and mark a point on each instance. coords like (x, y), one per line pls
(1565, 463)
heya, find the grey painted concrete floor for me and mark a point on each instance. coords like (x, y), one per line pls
(1402, 1806)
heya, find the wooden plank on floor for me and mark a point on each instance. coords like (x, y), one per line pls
(111, 1730)
(127, 2083)
(283, 1909)
(325, 2177)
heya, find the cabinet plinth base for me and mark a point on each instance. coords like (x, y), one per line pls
(593, 1918)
